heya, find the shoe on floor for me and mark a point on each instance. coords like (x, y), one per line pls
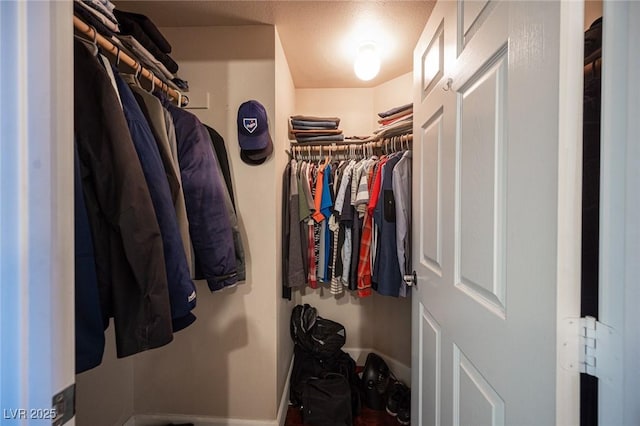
(395, 395)
(404, 408)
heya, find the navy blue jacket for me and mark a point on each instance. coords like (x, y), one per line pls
(209, 224)
(89, 324)
(182, 292)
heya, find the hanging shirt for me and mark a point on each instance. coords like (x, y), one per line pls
(284, 237)
(402, 194)
(325, 207)
(314, 234)
(327, 187)
(374, 194)
(344, 183)
(336, 285)
(303, 215)
(386, 268)
(364, 261)
(296, 268)
(317, 196)
(346, 220)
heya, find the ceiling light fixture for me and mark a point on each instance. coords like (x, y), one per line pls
(367, 63)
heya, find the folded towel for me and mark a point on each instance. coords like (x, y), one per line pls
(395, 110)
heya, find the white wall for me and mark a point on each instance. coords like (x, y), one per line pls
(353, 106)
(285, 107)
(104, 395)
(377, 322)
(393, 93)
(592, 11)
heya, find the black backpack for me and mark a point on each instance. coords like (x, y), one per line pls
(317, 335)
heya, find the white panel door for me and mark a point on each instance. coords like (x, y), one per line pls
(486, 105)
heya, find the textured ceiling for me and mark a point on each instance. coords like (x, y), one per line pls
(320, 38)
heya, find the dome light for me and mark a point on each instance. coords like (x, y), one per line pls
(367, 63)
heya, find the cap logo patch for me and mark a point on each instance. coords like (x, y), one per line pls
(251, 124)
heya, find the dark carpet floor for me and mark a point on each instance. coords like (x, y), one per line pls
(367, 417)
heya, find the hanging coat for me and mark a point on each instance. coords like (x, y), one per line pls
(209, 224)
(129, 259)
(182, 291)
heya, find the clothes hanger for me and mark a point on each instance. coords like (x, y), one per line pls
(137, 73)
(91, 44)
(327, 159)
(153, 82)
(95, 40)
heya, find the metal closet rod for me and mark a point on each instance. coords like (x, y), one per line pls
(343, 146)
(91, 32)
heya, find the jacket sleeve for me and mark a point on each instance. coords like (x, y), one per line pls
(233, 218)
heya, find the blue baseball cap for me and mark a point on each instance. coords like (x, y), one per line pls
(253, 133)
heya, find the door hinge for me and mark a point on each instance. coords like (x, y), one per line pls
(593, 348)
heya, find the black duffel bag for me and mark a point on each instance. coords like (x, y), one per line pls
(326, 401)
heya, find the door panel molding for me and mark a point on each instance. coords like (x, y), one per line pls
(480, 188)
(430, 194)
(471, 16)
(430, 352)
(467, 377)
(433, 62)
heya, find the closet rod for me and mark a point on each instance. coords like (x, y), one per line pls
(92, 34)
(343, 146)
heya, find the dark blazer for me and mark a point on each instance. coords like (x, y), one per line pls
(129, 259)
